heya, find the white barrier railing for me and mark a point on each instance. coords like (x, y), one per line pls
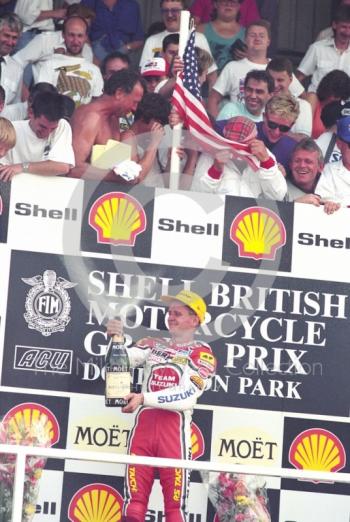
(23, 451)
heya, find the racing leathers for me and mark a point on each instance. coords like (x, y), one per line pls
(175, 375)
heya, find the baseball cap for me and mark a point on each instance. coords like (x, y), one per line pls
(343, 129)
(154, 67)
(190, 299)
(240, 129)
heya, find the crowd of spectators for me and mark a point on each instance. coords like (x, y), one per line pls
(85, 73)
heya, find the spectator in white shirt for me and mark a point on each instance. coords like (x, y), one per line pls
(44, 142)
(11, 73)
(68, 70)
(230, 83)
(37, 16)
(170, 10)
(326, 55)
(223, 174)
(43, 45)
(281, 71)
(334, 183)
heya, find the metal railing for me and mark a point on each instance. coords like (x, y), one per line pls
(23, 451)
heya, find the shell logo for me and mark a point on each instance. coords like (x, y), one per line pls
(258, 232)
(96, 503)
(317, 449)
(197, 442)
(117, 218)
(28, 413)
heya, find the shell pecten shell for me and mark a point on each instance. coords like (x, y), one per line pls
(258, 232)
(96, 503)
(317, 449)
(117, 218)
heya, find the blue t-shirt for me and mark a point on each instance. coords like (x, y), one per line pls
(117, 26)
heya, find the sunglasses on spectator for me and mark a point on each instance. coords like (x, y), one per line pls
(273, 125)
(171, 11)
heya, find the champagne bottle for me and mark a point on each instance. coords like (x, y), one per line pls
(118, 377)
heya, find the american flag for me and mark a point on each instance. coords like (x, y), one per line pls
(188, 102)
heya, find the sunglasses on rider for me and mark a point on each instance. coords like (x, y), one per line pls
(273, 125)
(171, 11)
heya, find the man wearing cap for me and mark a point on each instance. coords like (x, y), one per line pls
(154, 71)
(334, 183)
(176, 373)
(225, 175)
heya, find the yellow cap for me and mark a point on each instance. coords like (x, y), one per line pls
(190, 299)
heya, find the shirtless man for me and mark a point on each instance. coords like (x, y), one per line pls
(98, 121)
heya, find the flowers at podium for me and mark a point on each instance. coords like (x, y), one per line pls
(239, 498)
(33, 434)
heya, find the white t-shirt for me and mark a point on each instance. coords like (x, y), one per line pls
(268, 183)
(57, 147)
(334, 183)
(154, 43)
(303, 123)
(321, 58)
(15, 111)
(42, 47)
(323, 142)
(11, 79)
(74, 76)
(231, 79)
(29, 10)
(293, 192)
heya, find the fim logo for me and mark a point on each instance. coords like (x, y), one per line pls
(317, 449)
(118, 219)
(27, 415)
(97, 503)
(197, 442)
(47, 304)
(258, 232)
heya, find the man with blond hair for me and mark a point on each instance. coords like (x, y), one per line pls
(280, 114)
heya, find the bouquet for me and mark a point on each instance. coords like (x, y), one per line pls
(239, 498)
(34, 434)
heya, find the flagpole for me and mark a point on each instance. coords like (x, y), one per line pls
(176, 134)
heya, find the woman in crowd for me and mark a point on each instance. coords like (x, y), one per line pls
(224, 30)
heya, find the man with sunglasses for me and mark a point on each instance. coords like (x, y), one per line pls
(280, 114)
(171, 11)
(334, 183)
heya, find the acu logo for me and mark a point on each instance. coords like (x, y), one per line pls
(47, 304)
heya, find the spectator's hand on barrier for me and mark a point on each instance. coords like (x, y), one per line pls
(330, 206)
(115, 327)
(157, 133)
(311, 199)
(8, 171)
(257, 147)
(134, 401)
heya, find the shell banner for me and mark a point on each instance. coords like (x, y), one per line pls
(276, 281)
